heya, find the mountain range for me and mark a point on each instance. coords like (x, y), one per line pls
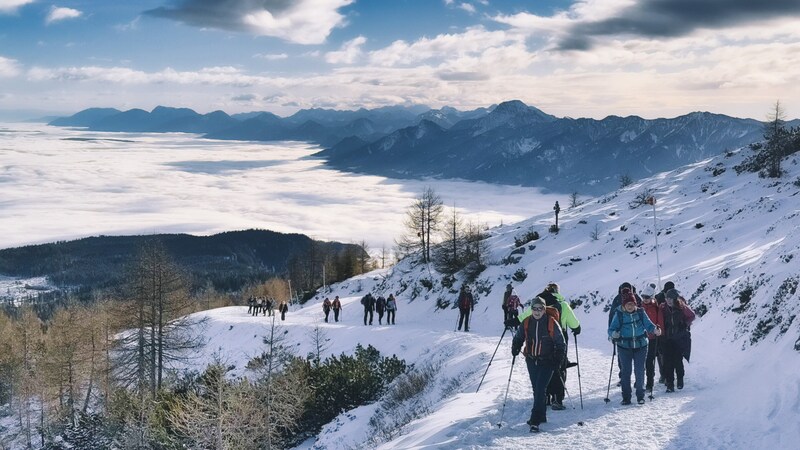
(510, 143)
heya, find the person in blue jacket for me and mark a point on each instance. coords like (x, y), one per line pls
(628, 330)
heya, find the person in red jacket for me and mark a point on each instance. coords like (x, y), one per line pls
(654, 313)
(337, 308)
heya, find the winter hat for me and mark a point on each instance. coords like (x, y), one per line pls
(649, 290)
(538, 301)
(627, 297)
(553, 287)
(669, 285)
(673, 294)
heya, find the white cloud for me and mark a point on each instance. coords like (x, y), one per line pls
(271, 56)
(468, 7)
(8, 68)
(348, 53)
(57, 14)
(11, 6)
(298, 21)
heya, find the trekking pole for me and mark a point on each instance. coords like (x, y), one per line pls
(491, 359)
(569, 397)
(458, 319)
(608, 390)
(578, 362)
(500, 423)
(652, 200)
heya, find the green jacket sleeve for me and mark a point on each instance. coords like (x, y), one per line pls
(568, 319)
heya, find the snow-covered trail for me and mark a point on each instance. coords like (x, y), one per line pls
(469, 419)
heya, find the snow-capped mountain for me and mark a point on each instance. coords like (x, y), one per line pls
(728, 241)
(519, 144)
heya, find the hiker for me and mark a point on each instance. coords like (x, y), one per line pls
(653, 312)
(337, 308)
(512, 307)
(283, 308)
(250, 304)
(568, 321)
(544, 351)
(661, 297)
(628, 330)
(269, 303)
(677, 339)
(616, 303)
(369, 307)
(380, 307)
(466, 304)
(550, 299)
(326, 308)
(257, 308)
(506, 294)
(391, 309)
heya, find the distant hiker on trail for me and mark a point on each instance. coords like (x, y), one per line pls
(369, 307)
(269, 304)
(391, 309)
(326, 308)
(283, 308)
(337, 308)
(251, 302)
(661, 297)
(628, 330)
(653, 349)
(466, 304)
(544, 351)
(257, 308)
(512, 308)
(568, 321)
(677, 339)
(380, 307)
(506, 294)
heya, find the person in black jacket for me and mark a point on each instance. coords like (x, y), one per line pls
(544, 351)
(466, 304)
(380, 307)
(369, 307)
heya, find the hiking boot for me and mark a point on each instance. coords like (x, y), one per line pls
(670, 389)
(679, 384)
(661, 380)
(534, 428)
(640, 401)
(558, 406)
(625, 402)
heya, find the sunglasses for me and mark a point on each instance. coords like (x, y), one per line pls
(537, 308)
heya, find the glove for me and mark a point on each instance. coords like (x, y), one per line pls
(615, 335)
(514, 351)
(576, 331)
(512, 322)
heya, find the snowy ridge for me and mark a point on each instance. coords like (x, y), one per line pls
(728, 241)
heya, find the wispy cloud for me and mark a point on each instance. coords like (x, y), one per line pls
(8, 68)
(468, 7)
(271, 56)
(348, 53)
(11, 6)
(297, 21)
(132, 25)
(58, 14)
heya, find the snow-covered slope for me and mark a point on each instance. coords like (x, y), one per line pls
(729, 242)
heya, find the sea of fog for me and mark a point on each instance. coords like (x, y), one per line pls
(58, 184)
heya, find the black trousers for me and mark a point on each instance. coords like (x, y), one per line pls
(368, 312)
(336, 315)
(390, 316)
(463, 319)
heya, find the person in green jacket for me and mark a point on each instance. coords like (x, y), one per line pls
(555, 390)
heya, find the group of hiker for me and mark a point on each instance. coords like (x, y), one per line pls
(266, 305)
(381, 305)
(646, 330)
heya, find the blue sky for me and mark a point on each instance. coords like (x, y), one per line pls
(587, 58)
